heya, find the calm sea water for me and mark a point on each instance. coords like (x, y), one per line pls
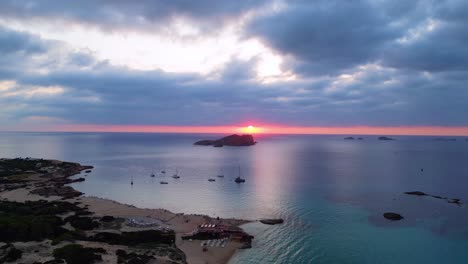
(331, 192)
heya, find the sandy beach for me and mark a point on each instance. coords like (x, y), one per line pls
(179, 222)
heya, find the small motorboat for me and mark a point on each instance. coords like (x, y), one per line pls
(211, 179)
(163, 182)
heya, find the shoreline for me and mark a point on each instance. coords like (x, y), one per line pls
(33, 187)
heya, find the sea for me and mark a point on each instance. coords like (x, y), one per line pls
(331, 192)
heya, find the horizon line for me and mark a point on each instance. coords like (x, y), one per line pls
(262, 129)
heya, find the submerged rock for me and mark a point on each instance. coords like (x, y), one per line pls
(232, 140)
(393, 216)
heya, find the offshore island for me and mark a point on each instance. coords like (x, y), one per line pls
(43, 220)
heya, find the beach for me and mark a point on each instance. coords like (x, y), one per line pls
(180, 223)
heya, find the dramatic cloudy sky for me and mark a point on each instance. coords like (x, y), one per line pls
(216, 63)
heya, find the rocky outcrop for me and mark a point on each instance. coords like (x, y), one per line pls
(418, 193)
(393, 216)
(449, 200)
(232, 140)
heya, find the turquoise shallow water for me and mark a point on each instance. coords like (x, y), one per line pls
(331, 192)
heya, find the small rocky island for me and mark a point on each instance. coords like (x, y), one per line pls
(386, 138)
(232, 140)
(393, 216)
(271, 221)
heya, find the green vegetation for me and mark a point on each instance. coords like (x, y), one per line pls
(10, 167)
(34, 221)
(132, 258)
(8, 253)
(38, 208)
(83, 223)
(77, 254)
(29, 228)
(135, 238)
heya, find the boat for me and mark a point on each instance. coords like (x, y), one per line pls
(152, 173)
(239, 179)
(163, 182)
(176, 175)
(131, 182)
(221, 175)
(211, 180)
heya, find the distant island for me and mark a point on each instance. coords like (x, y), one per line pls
(386, 138)
(232, 140)
(445, 139)
(352, 138)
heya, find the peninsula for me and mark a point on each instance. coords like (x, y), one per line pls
(43, 220)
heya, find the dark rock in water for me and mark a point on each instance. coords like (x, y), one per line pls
(232, 140)
(455, 201)
(418, 193)
(386, 138)
(88, 171)
(349, 138)
(271, 221)
(393, 216)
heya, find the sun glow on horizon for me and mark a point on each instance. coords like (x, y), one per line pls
(248, 129)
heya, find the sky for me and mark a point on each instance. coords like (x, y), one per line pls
(316, 66)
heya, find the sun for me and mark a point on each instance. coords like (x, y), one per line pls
(251, 128)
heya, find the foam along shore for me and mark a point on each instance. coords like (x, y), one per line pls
(20, 180)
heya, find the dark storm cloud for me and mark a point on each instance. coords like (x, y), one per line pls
(13, 42)
(135, 15)
(329, 37)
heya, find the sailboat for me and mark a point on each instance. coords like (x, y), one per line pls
(176, 175)
(152, 173)
(131, 182)
(239, 179)
(221, 175)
